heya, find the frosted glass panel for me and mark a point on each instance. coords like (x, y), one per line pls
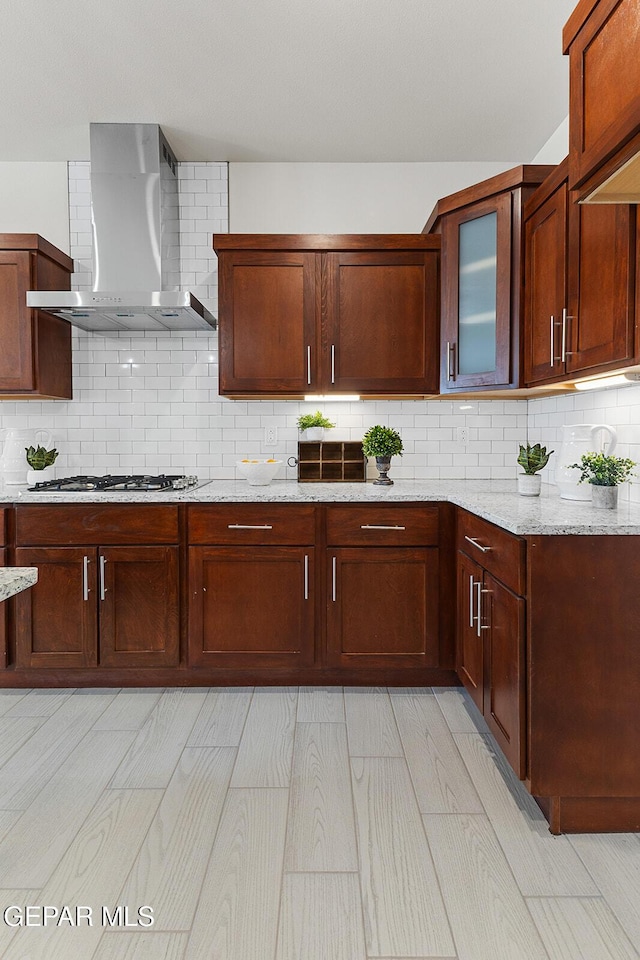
(478, 241)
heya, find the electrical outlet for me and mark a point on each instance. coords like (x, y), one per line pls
(462, 434)
(270, 436)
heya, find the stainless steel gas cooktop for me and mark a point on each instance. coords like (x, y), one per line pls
(112, 483)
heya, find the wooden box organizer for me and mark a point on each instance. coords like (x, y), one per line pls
(331, 462)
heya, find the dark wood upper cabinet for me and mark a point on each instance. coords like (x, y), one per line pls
(602, 38)
(579, 284)
(482, 247)
(35, 360)
(319, 314)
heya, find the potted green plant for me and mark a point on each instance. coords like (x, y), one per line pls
(314, 425)
(604, 472)
(382, 443)
(41, 462)
(531, 459)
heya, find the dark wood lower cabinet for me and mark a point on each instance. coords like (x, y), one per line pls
(382, 607)
(3, 613)
(139, 624)
(110, 606)
(251, 607)
(491, 631)
(57, 619)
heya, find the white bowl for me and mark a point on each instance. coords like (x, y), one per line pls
(258, 473)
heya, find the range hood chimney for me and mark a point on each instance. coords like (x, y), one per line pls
(136, 239)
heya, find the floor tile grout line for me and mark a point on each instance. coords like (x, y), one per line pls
(286, 830)
(354, 811)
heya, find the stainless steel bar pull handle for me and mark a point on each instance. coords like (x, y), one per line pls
(306, 576)
(249, 526)
(552, 351)
(379, 526)
(471, 616)
(308, 365)
(565, 327)
(103, 588)
(85, 578)
(333, 363)
(479, 605)
(477, 544)
(451, 371)
(334, 575)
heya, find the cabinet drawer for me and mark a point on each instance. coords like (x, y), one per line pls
(67, 524)
(247, 523)
(382, 525)
(497, 551)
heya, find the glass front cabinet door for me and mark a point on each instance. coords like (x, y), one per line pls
(476, 295)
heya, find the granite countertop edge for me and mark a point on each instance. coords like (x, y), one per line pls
(494, 500)
(15, 579)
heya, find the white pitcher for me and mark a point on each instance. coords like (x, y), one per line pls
(13, 460)
(579, 438)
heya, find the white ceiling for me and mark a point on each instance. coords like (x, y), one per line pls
(286, 80)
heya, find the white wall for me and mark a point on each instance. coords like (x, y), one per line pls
(34, 199)
(344, 197)
(557, 146)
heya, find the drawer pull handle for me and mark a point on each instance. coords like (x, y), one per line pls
(85, 578)
(103, 588)
(379, 526)
(478, 545)
(249, 526)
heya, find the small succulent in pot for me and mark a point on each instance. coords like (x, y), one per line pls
(531, 459)
(39, 459)
(382, 443)
(604, 472)
(314, 424)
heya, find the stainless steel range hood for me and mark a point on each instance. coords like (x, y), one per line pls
(136, 239)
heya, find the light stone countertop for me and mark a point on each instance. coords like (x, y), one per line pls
(494, 500)
(15, 579)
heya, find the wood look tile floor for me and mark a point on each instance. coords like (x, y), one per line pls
(285, 824)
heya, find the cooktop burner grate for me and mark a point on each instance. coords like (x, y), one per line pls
(110, 482)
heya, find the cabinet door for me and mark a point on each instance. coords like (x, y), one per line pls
(545, 288)
(476, 295)
(601, 284)
(56, 620)
(383, 607)
(17, 371)
(251, 607)
(3, 614)
(267, 314)
(470, 657)
(138, 606)
(381, 322)
(504, 695)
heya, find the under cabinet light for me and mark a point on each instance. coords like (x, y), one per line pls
(331, 398)
(597, 383)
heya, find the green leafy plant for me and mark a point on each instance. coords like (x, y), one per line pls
(317, 419)
(603, 470)
(381, 441)
(38, 458)
(533, 458)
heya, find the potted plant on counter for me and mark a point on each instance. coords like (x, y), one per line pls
(531, 459)
(314, 425)
(41, 462)
(382, 443)
(604, 473)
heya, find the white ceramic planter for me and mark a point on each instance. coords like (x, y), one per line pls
(40, 476)
(314, 433)
(529, 484)
(605, 498)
